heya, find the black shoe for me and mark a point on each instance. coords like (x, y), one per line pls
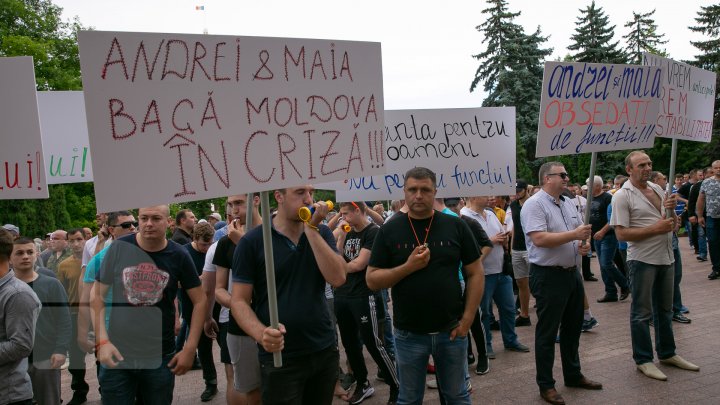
(471, 359)
(624, 294)
(495, 325)
(78, 399)
(591, 278)
(702, 259)
(681, 318)
(607, 298)
(362, 391)
(196, 364)
(522, 321)
(209, 393)
(713, 276)
(347, 381)
(381, 376)
(483, 365)
(394, 393)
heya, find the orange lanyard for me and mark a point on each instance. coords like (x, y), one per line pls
(427, 230)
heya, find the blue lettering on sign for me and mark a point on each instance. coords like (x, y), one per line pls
(483, 175)
(363, 183)
(622, 136)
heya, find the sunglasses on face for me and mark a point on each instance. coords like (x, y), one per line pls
(128, 224)
(562, 175)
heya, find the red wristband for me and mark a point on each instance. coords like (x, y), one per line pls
(100, 343)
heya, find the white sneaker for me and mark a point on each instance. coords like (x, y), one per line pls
(651, 371)
(65, 365)
(679, 362)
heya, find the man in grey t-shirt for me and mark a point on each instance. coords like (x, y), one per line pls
(709, 199)
(640, 217)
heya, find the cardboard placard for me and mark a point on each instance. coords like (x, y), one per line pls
(22, 172)
(471, 151)
(595, 107)
(65, 137)
(687, 100)
(175, 117)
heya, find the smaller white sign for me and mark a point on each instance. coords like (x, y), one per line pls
(470, 150)
(65, 136)
(22, 172)
(687, 100)
(596, 107)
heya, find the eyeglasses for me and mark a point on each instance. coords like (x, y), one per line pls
(128, 224)
(562, 175)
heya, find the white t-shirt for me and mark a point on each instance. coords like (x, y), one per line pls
(211, 268)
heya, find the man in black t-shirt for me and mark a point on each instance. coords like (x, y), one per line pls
(518, 251)
(419, 254)
(606, 245)
(137, 351)
(305, 259)
(357, 308)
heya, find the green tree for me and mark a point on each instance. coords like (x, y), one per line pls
(593, 38)
(511, 70)
(643, 37)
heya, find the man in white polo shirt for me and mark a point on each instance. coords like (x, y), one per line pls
(639, 215)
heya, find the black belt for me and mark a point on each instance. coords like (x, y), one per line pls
(557, 268)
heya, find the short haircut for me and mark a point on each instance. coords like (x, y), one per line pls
(113, 217)
(6, 245)
(545, 169)
(679, 176)
(709, 170)
(181, 215)
(620, 177)
(421, 173)
(24, 240)
(73, 231)
(353, 204)
(203, 231)
(628, 158)
(654, 175)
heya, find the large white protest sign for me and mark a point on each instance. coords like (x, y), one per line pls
(471, 151)
(65, 137)
(593, 107)
(175, 117)
(22, 173)
(687, 100)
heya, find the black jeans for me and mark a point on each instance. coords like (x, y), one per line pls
(308, 379)
(360, 321)
(77, 362)
(559, 296)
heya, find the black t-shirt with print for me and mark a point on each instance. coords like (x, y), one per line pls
(224, 252)
(355, 286)
(430, 299)
(144, 286)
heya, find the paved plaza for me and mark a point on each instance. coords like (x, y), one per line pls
(605, 355)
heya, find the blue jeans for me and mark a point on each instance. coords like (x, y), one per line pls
(120, 386)
(498, 287)
(611, 275)
(702, 242)
(712, 233)
(450, 356)
(652, 292)
(677, 266)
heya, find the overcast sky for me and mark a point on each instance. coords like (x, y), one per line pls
(427, 45)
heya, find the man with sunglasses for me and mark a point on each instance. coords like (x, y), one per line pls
(119, 223)
(556, 237)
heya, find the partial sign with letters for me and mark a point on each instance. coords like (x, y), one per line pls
(65, 137)
(471, 151)
(22, 172)
(175, 117)
(687, 100)
(594, 107)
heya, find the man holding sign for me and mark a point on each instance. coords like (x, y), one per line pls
(553, 234)
(305, 258)
(418, 254)
(639, 216)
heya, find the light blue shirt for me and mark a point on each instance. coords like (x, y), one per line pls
(541, 213)
(91, 272)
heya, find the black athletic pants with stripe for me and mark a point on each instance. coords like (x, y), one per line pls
(359, 320)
